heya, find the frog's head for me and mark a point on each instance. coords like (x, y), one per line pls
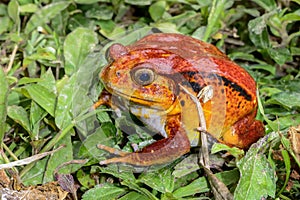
(146, 77)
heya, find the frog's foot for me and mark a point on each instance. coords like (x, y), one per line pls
(244, 132)
(104, 99)
(159, 152)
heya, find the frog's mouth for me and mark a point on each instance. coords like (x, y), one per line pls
(135, 101)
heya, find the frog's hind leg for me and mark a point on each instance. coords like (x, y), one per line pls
(159, 152)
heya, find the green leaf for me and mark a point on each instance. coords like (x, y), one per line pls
(90, 1)
(76, 52)
(104, 191)
(111, 31)
(102, 12)
(268, 5)
(257, 176)
(134, 196)
(201, 185)
(45, 14)
(286, 99)
(280, 55)
(101, 135)
(234, 151)
(139, 189)
(157, 9)
(28, 8)
(161, 180)
(3, 103)
(288, 120)
(6, 23)
(266, 67)
(13, 12)
(35, 175)
(85, 179)
(213, 18)
(287, 164)
(139, 2)
(20, 116)
(62, 156)
(258, 32)
(42, 96)
(79, 88)
(37, 114)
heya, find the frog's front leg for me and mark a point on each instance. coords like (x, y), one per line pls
(159, 152)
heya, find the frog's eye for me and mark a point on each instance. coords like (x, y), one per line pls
(143, 76)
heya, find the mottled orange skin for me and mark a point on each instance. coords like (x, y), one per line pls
(177, 59)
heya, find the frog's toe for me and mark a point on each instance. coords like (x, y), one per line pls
(112, 150)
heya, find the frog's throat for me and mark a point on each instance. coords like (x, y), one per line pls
(161, 107)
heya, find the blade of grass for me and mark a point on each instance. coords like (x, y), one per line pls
(287, 164)
(214, 15)
(3, 103)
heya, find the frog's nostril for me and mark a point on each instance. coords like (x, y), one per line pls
(118, 74)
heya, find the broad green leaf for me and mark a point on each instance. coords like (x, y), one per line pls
(28, 8)
(102, 12)
(266, 67)
(100, 137)
(37, 114)
(234, 151)
(161, 180)
(292, 85)
(45, 14)
(13, 12)
(81, 87)
(111, 31)
(3, 103)
(257, 176)
(35, 175)
(104, 191)
(286, 99)
(291, 17)
(6, 24)
(288, 120)
(62, 156)
(139, 189)
(20, 116)
(76, 52)
(281, 56)
(120, 172)
(42, 96)
(139, 2)
(134, 196)
(157, 9)
(180, 20)
(47, 80)
(258, 32)
(47, 53)
(201, 185)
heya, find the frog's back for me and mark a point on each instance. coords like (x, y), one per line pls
(204, 57)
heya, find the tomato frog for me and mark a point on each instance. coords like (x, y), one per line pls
(157, 75)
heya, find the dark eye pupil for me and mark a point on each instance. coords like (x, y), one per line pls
(144, 77)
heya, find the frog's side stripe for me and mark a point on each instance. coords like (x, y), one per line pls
(197, 87)
(237, 88)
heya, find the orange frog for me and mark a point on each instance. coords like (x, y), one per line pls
(157, 76)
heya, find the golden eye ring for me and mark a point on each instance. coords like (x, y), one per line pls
(143, 76)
